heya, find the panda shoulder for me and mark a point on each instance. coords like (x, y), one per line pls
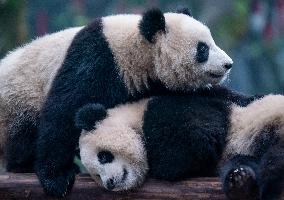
(40, 52)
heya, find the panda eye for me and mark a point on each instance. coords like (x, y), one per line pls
(202, 53)
(105, 157)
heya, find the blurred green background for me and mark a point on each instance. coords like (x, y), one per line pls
(251, 31)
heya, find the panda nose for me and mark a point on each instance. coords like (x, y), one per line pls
(110, 184)
(228, 66)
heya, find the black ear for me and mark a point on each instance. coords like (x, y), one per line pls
(152, 22)
(185, 11)
(88, 115)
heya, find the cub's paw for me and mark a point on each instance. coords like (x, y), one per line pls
(59, 186)
(240, 183)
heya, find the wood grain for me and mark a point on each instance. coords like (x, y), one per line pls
(26, 186)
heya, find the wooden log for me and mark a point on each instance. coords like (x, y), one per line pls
(26, 186)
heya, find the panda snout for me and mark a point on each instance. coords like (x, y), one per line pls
(228, 66)
(110, 184)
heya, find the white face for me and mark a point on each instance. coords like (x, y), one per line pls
(110, 170)
(187, 56)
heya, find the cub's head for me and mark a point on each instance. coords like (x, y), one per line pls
(185, 54)
(114, 156)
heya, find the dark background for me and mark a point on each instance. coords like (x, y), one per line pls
(250, 31)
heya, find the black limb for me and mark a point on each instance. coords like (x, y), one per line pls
(272, 173)
(20, 144)
(240, 177)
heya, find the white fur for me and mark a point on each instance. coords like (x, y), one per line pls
(120, 133)
(26, 74)
(175, 58)
(170, 59)
(247, 123)
(132, 52)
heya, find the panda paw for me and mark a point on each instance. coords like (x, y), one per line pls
(60, 186)
(240, 183)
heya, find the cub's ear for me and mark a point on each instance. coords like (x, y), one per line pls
(87, 116)
(152, 21)
(185, 11)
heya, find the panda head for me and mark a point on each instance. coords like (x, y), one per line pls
(185, 54)
(114, 156)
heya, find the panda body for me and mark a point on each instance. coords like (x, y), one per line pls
(112, 60)
(200, 131)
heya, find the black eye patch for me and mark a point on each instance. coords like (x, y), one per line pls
(202, 52)
(105, 157)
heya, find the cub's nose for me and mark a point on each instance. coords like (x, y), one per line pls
(110, 184)
(228, 66)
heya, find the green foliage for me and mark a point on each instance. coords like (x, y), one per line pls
(13, 30)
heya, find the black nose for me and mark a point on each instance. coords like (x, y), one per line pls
(110, 184)
(228, 66)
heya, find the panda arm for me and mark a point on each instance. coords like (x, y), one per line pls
(20, 144)
(232, 96)
(88, 75)
(241, 99)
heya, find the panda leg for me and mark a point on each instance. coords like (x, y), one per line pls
(20, 144)
(272, 173)
(239, 177)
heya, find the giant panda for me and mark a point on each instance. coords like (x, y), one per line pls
(175, 137)
(112, 60)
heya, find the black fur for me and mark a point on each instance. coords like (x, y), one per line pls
(185, 136)
(105, 157)
(185, 11)
(261, 178)
(153, 21)
(202, 52)
(272, 173)
(267, 138)
(182, 126)
(222, 93)
(195, 126)
(88, 75)
(21, 141)
(88, 115)
(239, 177)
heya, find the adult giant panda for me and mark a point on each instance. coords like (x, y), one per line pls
(188, 135)
(110, 61)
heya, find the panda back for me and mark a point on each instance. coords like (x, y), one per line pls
(27, 72)
(188, 130)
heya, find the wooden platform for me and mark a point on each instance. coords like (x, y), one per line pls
(26, 186)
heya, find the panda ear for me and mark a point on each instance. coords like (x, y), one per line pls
(152, 21)
(184, 10)
(88, 115)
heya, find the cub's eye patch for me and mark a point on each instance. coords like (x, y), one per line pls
(105, 157)
(202, 52)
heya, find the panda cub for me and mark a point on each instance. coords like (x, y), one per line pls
(175, 137)
(112, 60)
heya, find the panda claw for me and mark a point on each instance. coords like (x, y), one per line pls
(241, 183)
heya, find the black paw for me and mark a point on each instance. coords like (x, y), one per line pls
(240, 183)
(60, 186)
